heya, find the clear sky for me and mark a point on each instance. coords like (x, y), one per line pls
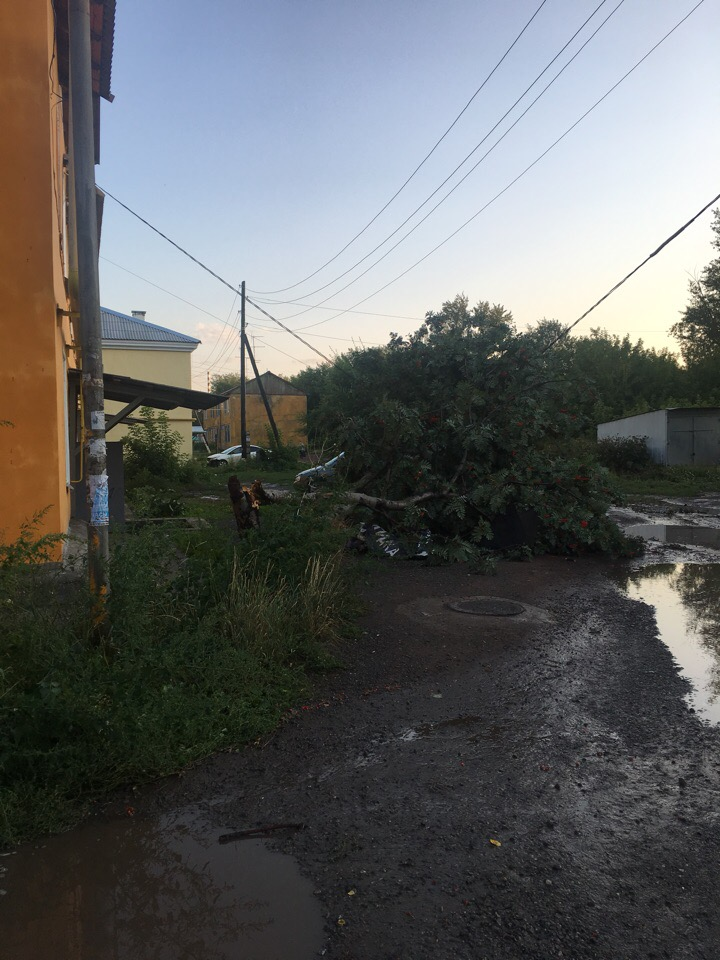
(263, 135)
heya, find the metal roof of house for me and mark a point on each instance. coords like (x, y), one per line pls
(273, 384)
(102, 37)
(121, 327)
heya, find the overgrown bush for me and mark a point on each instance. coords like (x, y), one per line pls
(624, 454)
(152, 449)
(149, 502)
(208, 647)
(29, 546)
(277, 455)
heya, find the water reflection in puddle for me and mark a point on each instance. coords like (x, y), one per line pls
(686, 597)
(676, 533)
(139, 891)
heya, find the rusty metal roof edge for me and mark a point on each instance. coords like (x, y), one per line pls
(108, 42)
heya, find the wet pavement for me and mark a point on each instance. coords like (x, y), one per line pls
(160, 888)
(526, 787)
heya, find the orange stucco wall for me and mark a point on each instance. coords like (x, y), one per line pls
(32, 379)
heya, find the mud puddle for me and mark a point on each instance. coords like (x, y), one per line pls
(161, 890)
(686, 598)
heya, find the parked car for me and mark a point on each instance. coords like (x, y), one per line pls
(234, 454)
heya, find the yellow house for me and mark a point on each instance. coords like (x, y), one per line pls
(39, 336)
(133, 347)
(287, 403)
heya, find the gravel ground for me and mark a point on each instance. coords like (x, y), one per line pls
(492, 787)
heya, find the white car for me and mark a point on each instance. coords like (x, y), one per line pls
(233, 455)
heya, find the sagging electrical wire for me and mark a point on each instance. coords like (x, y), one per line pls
(417, 168)
(515, 180)
(462, 179)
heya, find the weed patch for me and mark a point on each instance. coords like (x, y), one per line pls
(212, 641)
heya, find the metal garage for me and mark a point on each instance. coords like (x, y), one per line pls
(676, 436)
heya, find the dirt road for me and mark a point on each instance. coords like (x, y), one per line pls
(493, 787)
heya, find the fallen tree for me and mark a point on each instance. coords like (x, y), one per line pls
(464, 429)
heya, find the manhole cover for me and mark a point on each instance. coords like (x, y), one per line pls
(487, 607)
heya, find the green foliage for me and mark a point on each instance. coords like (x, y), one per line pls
(29, 546)
(277, 455)
(149, 502)
(312, 381)
(624, 454)
(152, 449)
(698, 331)
(610, 377)
(210, 644)
(471, 409)
(224, 382)
(671, 481)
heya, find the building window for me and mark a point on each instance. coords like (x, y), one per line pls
(226, 433)
(226, 407)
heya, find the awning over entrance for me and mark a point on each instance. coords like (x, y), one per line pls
(143, 393)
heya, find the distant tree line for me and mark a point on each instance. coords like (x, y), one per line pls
(605, 376)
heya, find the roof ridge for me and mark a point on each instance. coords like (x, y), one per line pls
(107, 314)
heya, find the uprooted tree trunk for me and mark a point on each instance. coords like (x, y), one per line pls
(245, 504)
(353, 497)
(380, 503)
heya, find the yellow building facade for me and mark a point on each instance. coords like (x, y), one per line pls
(288, 406)
(133, 347)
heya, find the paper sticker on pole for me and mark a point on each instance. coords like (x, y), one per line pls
(99, 511)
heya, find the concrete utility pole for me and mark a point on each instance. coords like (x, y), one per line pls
(88, 293)
(243, 407)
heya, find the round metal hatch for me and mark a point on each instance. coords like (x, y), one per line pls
(487, 607)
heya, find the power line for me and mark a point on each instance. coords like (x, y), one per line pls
(232, 328)
(632, 272)
(365, 313)
(209, 363)
(470, 171)
(289, 356)
(164, 290)
(319, 306)
(329, 336)
(417, 168)
(208, 270)
(281, 324)
(515, 179)
(443, 242)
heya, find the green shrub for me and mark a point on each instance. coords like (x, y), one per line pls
(29, 546)
(152, 449)
(277, 455)
(147, 502)
(624, 454)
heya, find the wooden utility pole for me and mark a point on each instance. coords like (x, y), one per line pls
(88, 295)
(243, 408)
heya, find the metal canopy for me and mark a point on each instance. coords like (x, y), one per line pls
(143, 393)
